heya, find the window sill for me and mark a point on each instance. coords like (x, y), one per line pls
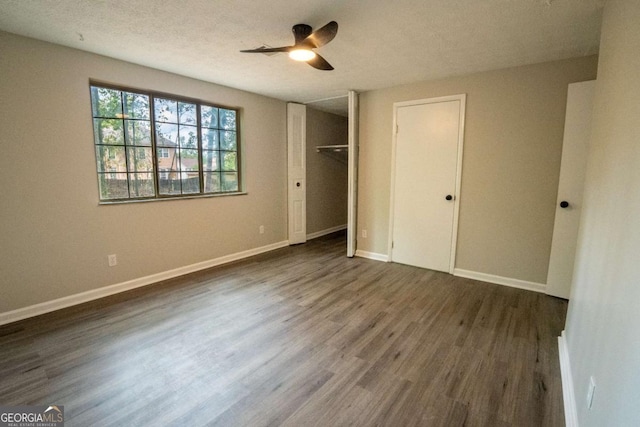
(168, 198)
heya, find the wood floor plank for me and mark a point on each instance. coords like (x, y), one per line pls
(298, 336)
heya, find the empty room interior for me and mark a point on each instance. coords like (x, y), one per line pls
(431, 222)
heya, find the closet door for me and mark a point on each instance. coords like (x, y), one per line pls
(296, 170)
(575, 147)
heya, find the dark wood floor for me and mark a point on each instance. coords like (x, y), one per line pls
(301, 336)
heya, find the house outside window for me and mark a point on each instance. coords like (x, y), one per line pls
(196, 145)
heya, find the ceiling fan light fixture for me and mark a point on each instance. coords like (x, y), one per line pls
(302, 54)
(305, 42)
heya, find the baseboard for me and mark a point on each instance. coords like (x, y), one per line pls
(68, 301)
(499, 280)
(568, 393)
(325, 232)
(372, 255)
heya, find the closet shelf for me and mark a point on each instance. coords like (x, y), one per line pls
(332, 148)
(337, 152)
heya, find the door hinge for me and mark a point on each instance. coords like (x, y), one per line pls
(392, 244)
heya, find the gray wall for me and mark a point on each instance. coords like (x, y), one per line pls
(603, 322)
(327, 183)
(56, 238)
(512, 149)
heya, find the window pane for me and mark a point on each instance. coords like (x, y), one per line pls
(106, 102)
(187, 114)
(229, 161)
(110, 159)
(190, 183)
(138, 132)
(166, 110)
(227, 140)
(167, 160)
(166, 135)
(188, 137)
(136, 106)
(169, 185)
(140, 159)
(211, 182)
(113, 187)
(209, 116)
(229, 181)
(189, 160)
(210, 160)
(209, 138)
(141, 185)
(168, 171)
(108, 131)
(227, 119)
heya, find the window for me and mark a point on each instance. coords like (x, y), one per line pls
(152, 146)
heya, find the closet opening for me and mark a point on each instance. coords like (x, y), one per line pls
(331, 167)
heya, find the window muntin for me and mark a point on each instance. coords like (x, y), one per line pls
(156, 146)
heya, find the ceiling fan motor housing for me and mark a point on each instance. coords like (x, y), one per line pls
(301, 32)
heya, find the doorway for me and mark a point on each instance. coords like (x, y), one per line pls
(425, 182)
(335, 136)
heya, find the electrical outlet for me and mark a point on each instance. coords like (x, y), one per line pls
(364, 234)
(590, 392)
(261, 229)
(113, 260)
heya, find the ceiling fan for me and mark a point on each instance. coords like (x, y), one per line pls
(305, 42)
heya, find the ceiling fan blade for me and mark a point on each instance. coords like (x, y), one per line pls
(264, 49)
(320, 63)
(323, 35)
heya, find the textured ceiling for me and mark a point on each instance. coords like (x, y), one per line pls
(380, 43)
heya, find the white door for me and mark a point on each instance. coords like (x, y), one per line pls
(577, 132)
(426, 181)
(296, 170)
(352, 174)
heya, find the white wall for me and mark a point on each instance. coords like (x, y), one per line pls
(603, 321)
(54, 236)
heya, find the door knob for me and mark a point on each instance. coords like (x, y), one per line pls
(564, 204)
(449, 197)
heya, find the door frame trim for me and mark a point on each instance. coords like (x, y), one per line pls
(456, 207)
(352, 173)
